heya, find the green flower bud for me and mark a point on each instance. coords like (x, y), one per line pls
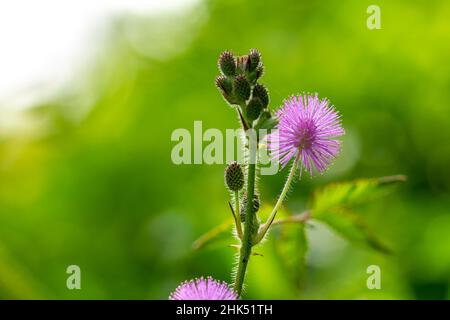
(254, 59)
(241, 88)
(260, 92)
(234, 177)
(254, 75)
(244, 205)
(259, 72)
(241, 63)
(227, 63)
(253, 109)
(224, 84)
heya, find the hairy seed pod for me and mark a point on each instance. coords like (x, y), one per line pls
(241, 88)
(227, 63)
(260, 92)
(244, 205)
(254, 59)
(246, 64)
(259, 72)
(225, 85)
(253, 109)
(241, 65)
(234, 177)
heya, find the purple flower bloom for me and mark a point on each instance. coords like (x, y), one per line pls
(203, 289)
(307, 129)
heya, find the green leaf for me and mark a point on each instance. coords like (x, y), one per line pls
(291, 247)
(351, 227)
(333, 205)
(348, 194)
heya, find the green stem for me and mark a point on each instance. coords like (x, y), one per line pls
(247, 243)
(265, 227)
(238, 214)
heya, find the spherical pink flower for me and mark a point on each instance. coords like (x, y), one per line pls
(203, 289)
(307, 129)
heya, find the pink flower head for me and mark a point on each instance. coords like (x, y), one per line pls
(307, 129)
(203, 289)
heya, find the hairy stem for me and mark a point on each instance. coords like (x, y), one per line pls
(265, 227)
(238, 214)
(246, 243)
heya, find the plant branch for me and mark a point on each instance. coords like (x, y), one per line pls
(265, 227)
(236, 220)
(238, 215)
(247, 243)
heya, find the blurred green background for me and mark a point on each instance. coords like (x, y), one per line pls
(91, 182)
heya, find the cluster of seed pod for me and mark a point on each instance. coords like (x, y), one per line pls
(239, 85)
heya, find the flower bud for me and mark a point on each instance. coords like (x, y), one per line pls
(253, 109)
(260, 92)
(241, 88)
(234, 177)
(247, 64)
(227, 64)
(244, 205)
(254, 75)
(241, 64)
(225, 85)
(259, 72)
(253, 59)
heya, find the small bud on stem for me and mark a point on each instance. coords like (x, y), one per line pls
(227, 63)
(234, 177)
(254, 108)
(241, 88)
(254, 59)
(259, 91)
